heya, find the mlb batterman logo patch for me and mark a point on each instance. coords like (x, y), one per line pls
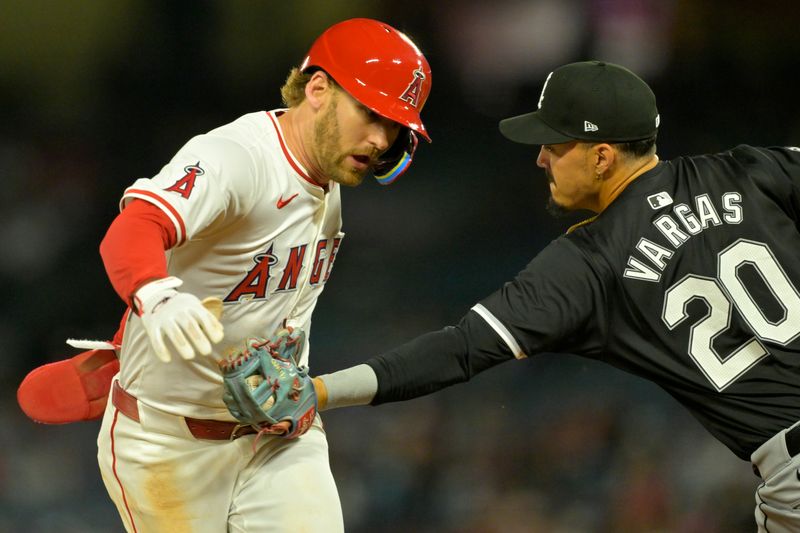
(659, 200)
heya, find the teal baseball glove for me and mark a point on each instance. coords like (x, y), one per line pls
(266, 389)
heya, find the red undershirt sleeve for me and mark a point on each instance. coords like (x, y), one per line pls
(133, 247)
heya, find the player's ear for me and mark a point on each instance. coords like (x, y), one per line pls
(603, 157)
(317, 88)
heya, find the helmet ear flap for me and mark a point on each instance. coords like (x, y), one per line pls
(396, 160)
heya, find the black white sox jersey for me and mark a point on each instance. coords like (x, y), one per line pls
(690, 279)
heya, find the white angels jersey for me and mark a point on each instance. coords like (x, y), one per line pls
(252, 229)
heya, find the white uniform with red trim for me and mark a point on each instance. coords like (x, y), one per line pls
(256, 231)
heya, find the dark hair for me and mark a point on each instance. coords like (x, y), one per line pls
(637, 149)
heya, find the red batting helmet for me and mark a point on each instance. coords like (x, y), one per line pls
(378, 66)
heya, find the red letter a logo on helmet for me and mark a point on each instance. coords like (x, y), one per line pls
(185, 185)
(411, 94)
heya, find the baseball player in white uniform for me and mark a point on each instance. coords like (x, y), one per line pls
(249, 213)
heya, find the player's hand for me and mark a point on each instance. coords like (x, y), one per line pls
(266, 389)
(179, 317)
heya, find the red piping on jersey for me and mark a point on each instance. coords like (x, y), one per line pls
(160, 202)
(114, 469)
(288, 154)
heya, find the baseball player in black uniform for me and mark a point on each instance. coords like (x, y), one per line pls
(687, 276)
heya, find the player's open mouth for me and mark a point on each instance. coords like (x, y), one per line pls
(361, 161)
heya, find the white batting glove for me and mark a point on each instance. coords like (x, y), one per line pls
(177, 316)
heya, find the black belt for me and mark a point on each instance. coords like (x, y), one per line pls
(792, 440)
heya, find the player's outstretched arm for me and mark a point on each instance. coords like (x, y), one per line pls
(352, 386)
(421, 366)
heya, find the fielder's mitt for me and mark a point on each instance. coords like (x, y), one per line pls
(264, 385)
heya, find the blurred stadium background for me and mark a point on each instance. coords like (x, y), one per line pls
(96, 94)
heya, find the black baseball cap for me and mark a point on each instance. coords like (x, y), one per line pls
(588, 101)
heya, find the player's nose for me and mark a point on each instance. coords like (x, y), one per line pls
(380, 135)
(541, 159)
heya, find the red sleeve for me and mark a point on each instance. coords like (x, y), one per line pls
(133, 248)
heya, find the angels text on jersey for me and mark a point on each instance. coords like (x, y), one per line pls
(254, 285)
(649, 258)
